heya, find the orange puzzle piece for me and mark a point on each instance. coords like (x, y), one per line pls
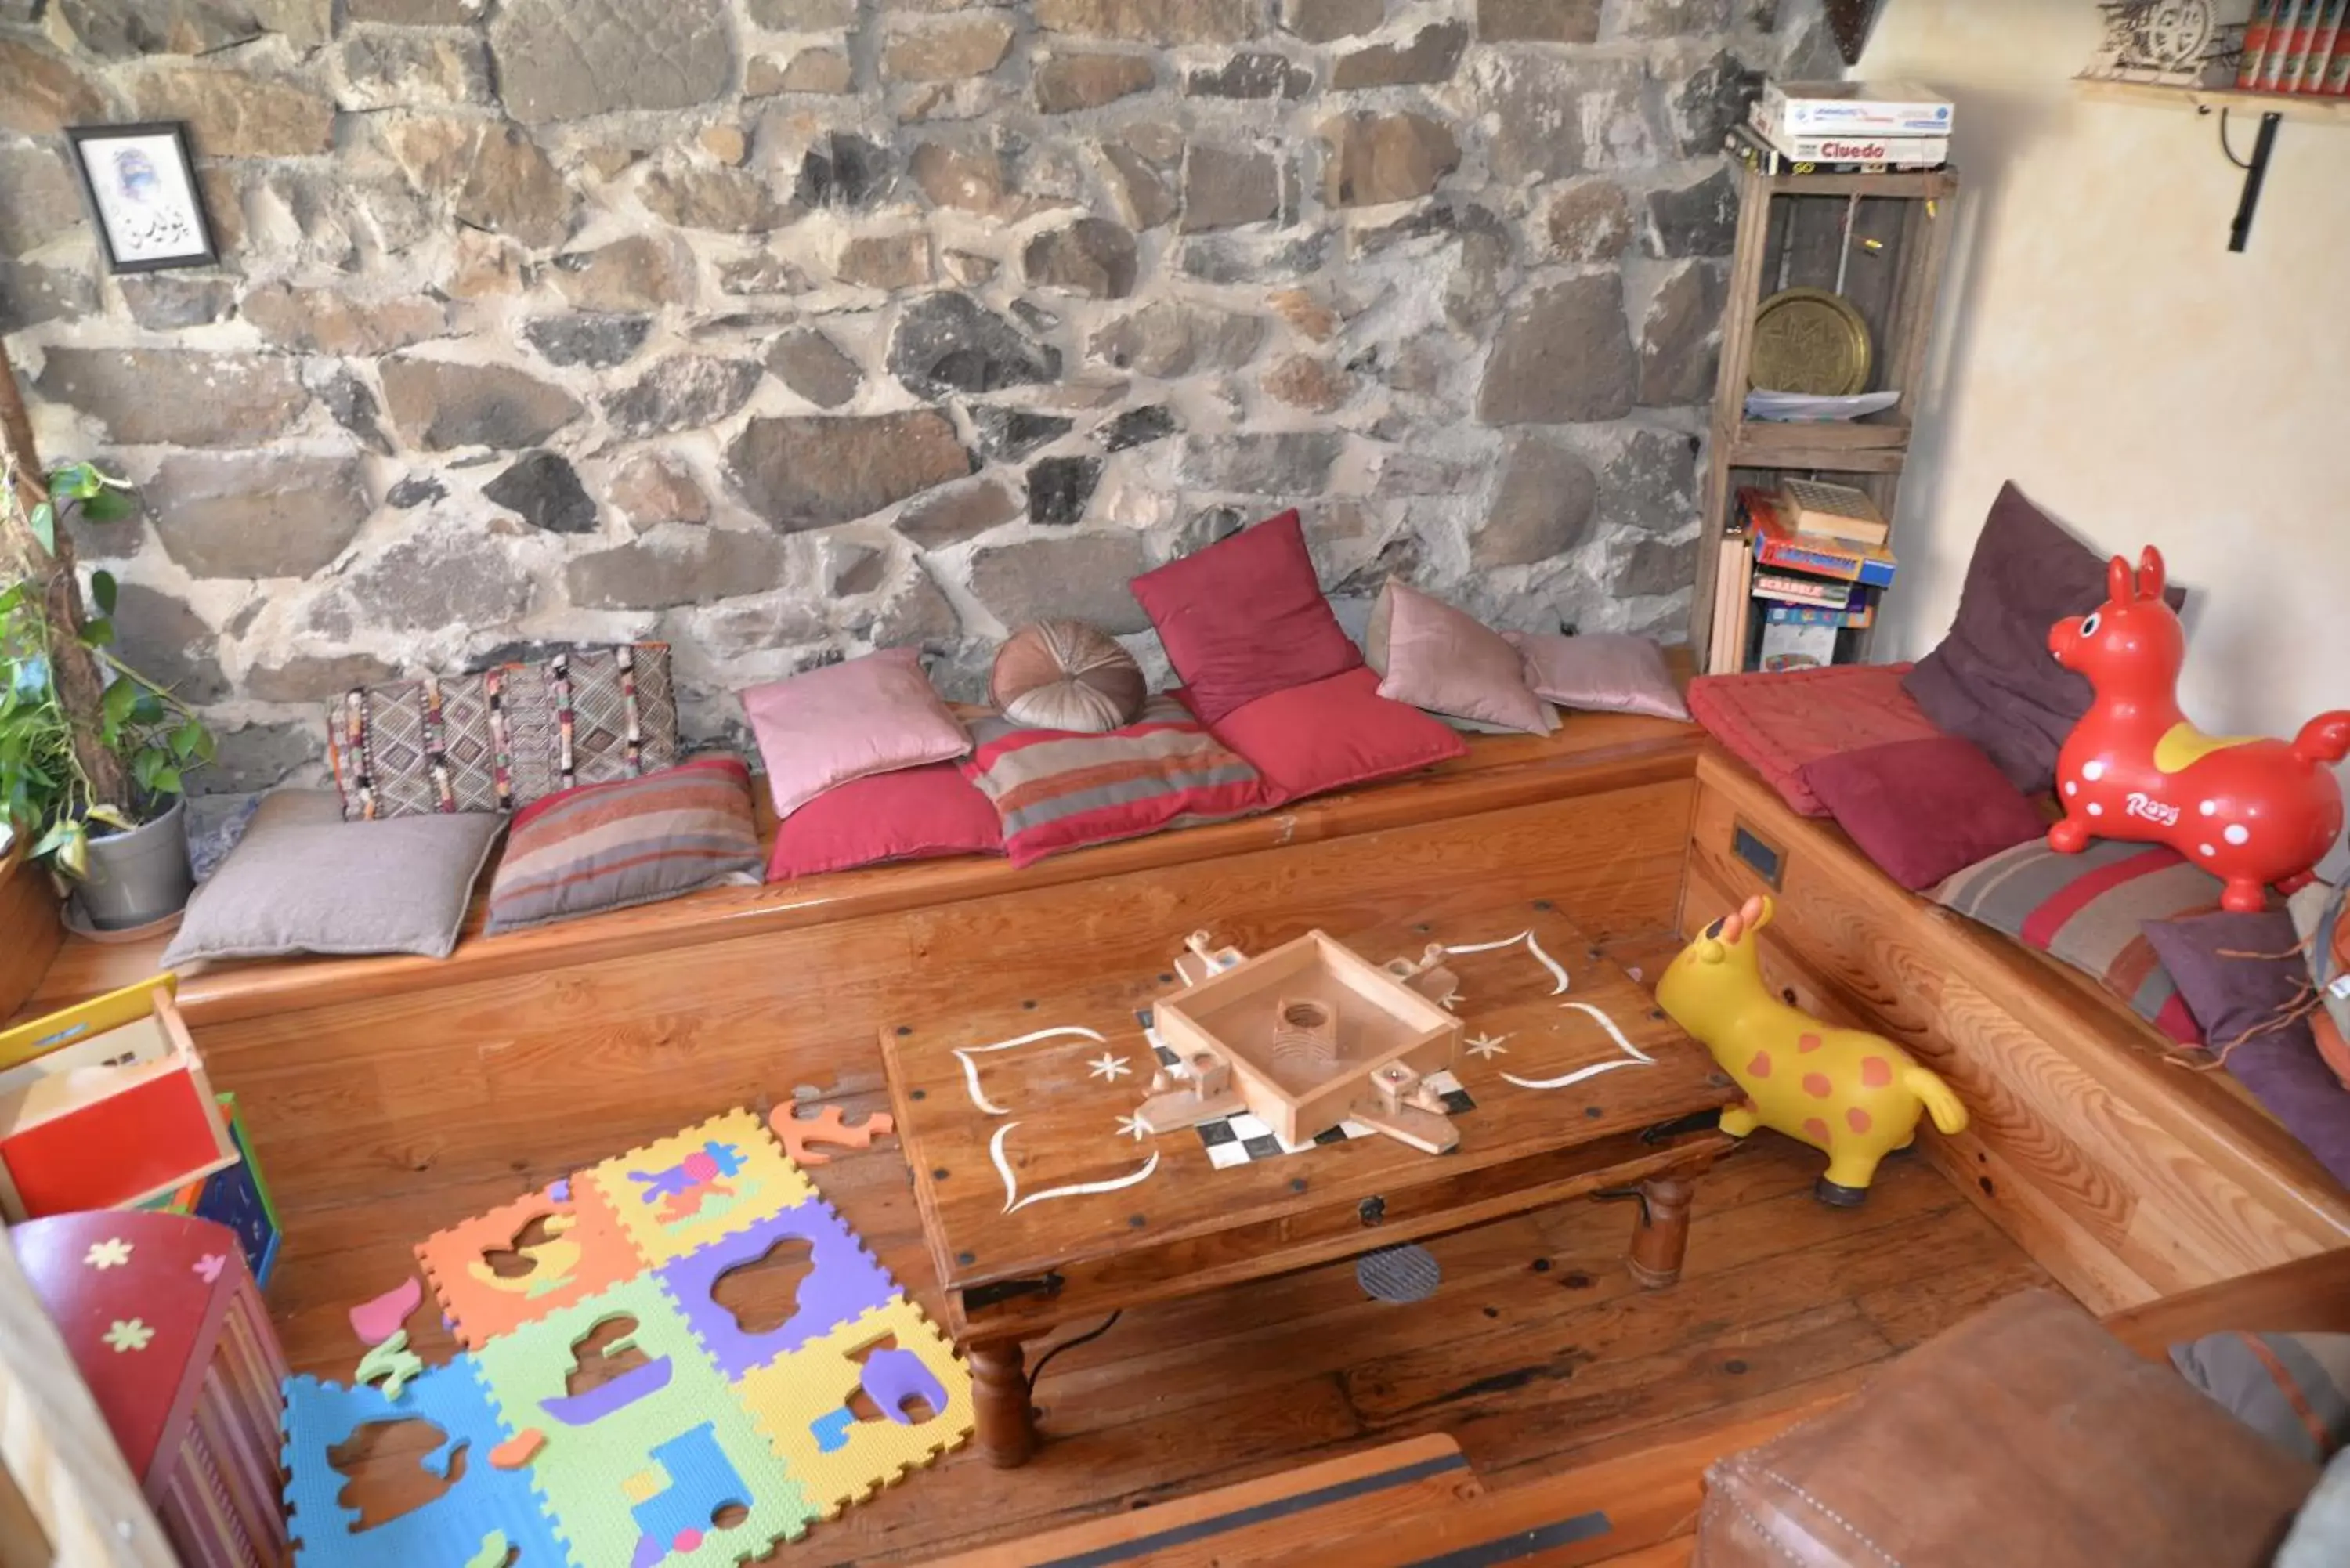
(582, 1250)
(827, 1126)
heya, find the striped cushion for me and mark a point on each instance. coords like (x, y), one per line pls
(634, 841)
(1059, 790)
(2292, 1389)
(2087, 908)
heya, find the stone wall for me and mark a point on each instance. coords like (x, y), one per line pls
(784, 328)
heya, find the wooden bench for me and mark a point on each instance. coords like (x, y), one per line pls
(544, 1049)
(2125, 1175)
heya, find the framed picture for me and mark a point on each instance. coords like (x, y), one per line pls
(142, 186)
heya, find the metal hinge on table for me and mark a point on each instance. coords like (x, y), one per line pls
(979, 1298)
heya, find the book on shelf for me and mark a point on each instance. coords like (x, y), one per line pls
(1790, 587)
(1749, 147)
(1839, 511)
(2280, 51)
(1845, 147)
(2324, 44)
(1778, 544)
(1732, 582)
(2256, 43)
(2337, 68)
(1788, 645)
(1857, 619)
(1850, 109)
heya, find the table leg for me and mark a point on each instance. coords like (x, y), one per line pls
(1662, 1235)
(1006, 1422)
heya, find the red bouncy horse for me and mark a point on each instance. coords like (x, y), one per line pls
(2250, 811)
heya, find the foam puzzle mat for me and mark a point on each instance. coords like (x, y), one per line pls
(717, 1439)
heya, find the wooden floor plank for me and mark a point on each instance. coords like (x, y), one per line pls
(1785, 1301)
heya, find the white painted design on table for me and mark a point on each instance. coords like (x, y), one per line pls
(1108, 1067)
(1534, 947)
(1131, 1127)
(1013, 1202)
(1485, 1046)
(963, 1053)
(1634, 1056)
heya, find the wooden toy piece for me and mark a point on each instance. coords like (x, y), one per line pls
(106, 1107)
(2250, 810)
(166, 1328)
(829, 1126)
(1205, 1095)
(1305, 1034)
(1404, 1107)
(1201, 959)
(1854, 1096)
(1375, 1018)
(1427, 975)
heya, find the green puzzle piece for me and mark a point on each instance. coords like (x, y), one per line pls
(598, 1469)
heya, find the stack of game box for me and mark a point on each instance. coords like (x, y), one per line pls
(2300, 47)
(1811, 560)
(1844, 127)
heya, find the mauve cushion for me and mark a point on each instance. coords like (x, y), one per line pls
(1604, 671)
(1335, 733)
(2230, 997)
(1992, 678)
(1433, 656)
(1244, 618)
(914, 814)
(870, 715)
(1777, 720)
(1922, 809)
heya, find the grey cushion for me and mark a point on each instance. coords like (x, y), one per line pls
(2292, 1389)
(304, 881)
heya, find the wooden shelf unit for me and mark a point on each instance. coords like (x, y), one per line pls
(2207, 101)
(1889, 234)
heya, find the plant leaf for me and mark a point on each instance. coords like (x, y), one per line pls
(13, 599)
(147, 709)
(99, 633)
(49, 843)
(108, 504)
(102, 591)
(112, 816)
(45, 525)
(75, 854)
(121, 696)
(166, 780)
(186, 739)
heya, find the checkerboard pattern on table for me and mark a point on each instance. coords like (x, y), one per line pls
(1237, 1140)
(706, 1441)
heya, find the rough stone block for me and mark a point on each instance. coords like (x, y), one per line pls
(1225, 187)
(1542, 505)
(1081, 575)
(675, 565)
(438, 404)
(569, 59)
(1430, 54)
(684, 391)
(947, 51)
(811, 472)
(1562, 355)
(256, 515)
(178, 397)
(1376, 159)
(1091, 256)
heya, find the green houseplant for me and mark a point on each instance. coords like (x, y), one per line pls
(92, 754)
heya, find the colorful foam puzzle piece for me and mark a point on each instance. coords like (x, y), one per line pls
(829, 1126)
(798, 1402)
(519, 1450)
(697, 1186)
(391, 1363)
(483, 1501)
(377, 1321)
(844, 1285)
(592, 1471)
(585, 1252)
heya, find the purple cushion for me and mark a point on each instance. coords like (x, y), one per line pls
(2232, 996)
(1992, 678)
(1923, 809)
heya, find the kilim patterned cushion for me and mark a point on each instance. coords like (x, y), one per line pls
(505, 737)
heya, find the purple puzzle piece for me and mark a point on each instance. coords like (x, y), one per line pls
(845, 1282)
(893, 1377)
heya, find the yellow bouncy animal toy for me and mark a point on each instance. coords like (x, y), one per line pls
(1854, 1096)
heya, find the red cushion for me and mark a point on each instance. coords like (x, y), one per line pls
(913, 813)
(1776, 723)
(1065, 789)
(1923, 809)
(1332, 734)
(1245, 617)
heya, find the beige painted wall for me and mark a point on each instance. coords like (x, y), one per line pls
(2100, 346)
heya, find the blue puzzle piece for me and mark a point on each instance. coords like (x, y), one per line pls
(831, 1431)
(450, 1528)
(702, 1482)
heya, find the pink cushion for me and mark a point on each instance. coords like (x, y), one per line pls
(1063, 789)
(1776, 723)
(1435, 657)
(870, 715)
(1604, 671)
(1245, 617)
(1336, 732)
(914, 814)
(1923, 809)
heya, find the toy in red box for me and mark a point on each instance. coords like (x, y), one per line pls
(2250, 810)
(105, 1105)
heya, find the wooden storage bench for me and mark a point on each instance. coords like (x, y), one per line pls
(2125, 1175)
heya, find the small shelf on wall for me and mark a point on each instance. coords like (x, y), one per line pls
(2211, 100)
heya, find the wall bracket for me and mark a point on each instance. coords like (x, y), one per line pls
(2256, 173)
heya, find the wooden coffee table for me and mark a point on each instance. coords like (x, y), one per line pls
(1043, 1205)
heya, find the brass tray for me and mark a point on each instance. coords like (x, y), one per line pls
(1809, 340)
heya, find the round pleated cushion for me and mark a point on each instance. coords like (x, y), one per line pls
(1067, 675)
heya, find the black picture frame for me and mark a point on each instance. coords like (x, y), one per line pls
(183, 236)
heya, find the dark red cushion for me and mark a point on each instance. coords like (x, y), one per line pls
(1923, 809)
(1245, 617)
(1334, 732)
(912, 814)
(1777, 720)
